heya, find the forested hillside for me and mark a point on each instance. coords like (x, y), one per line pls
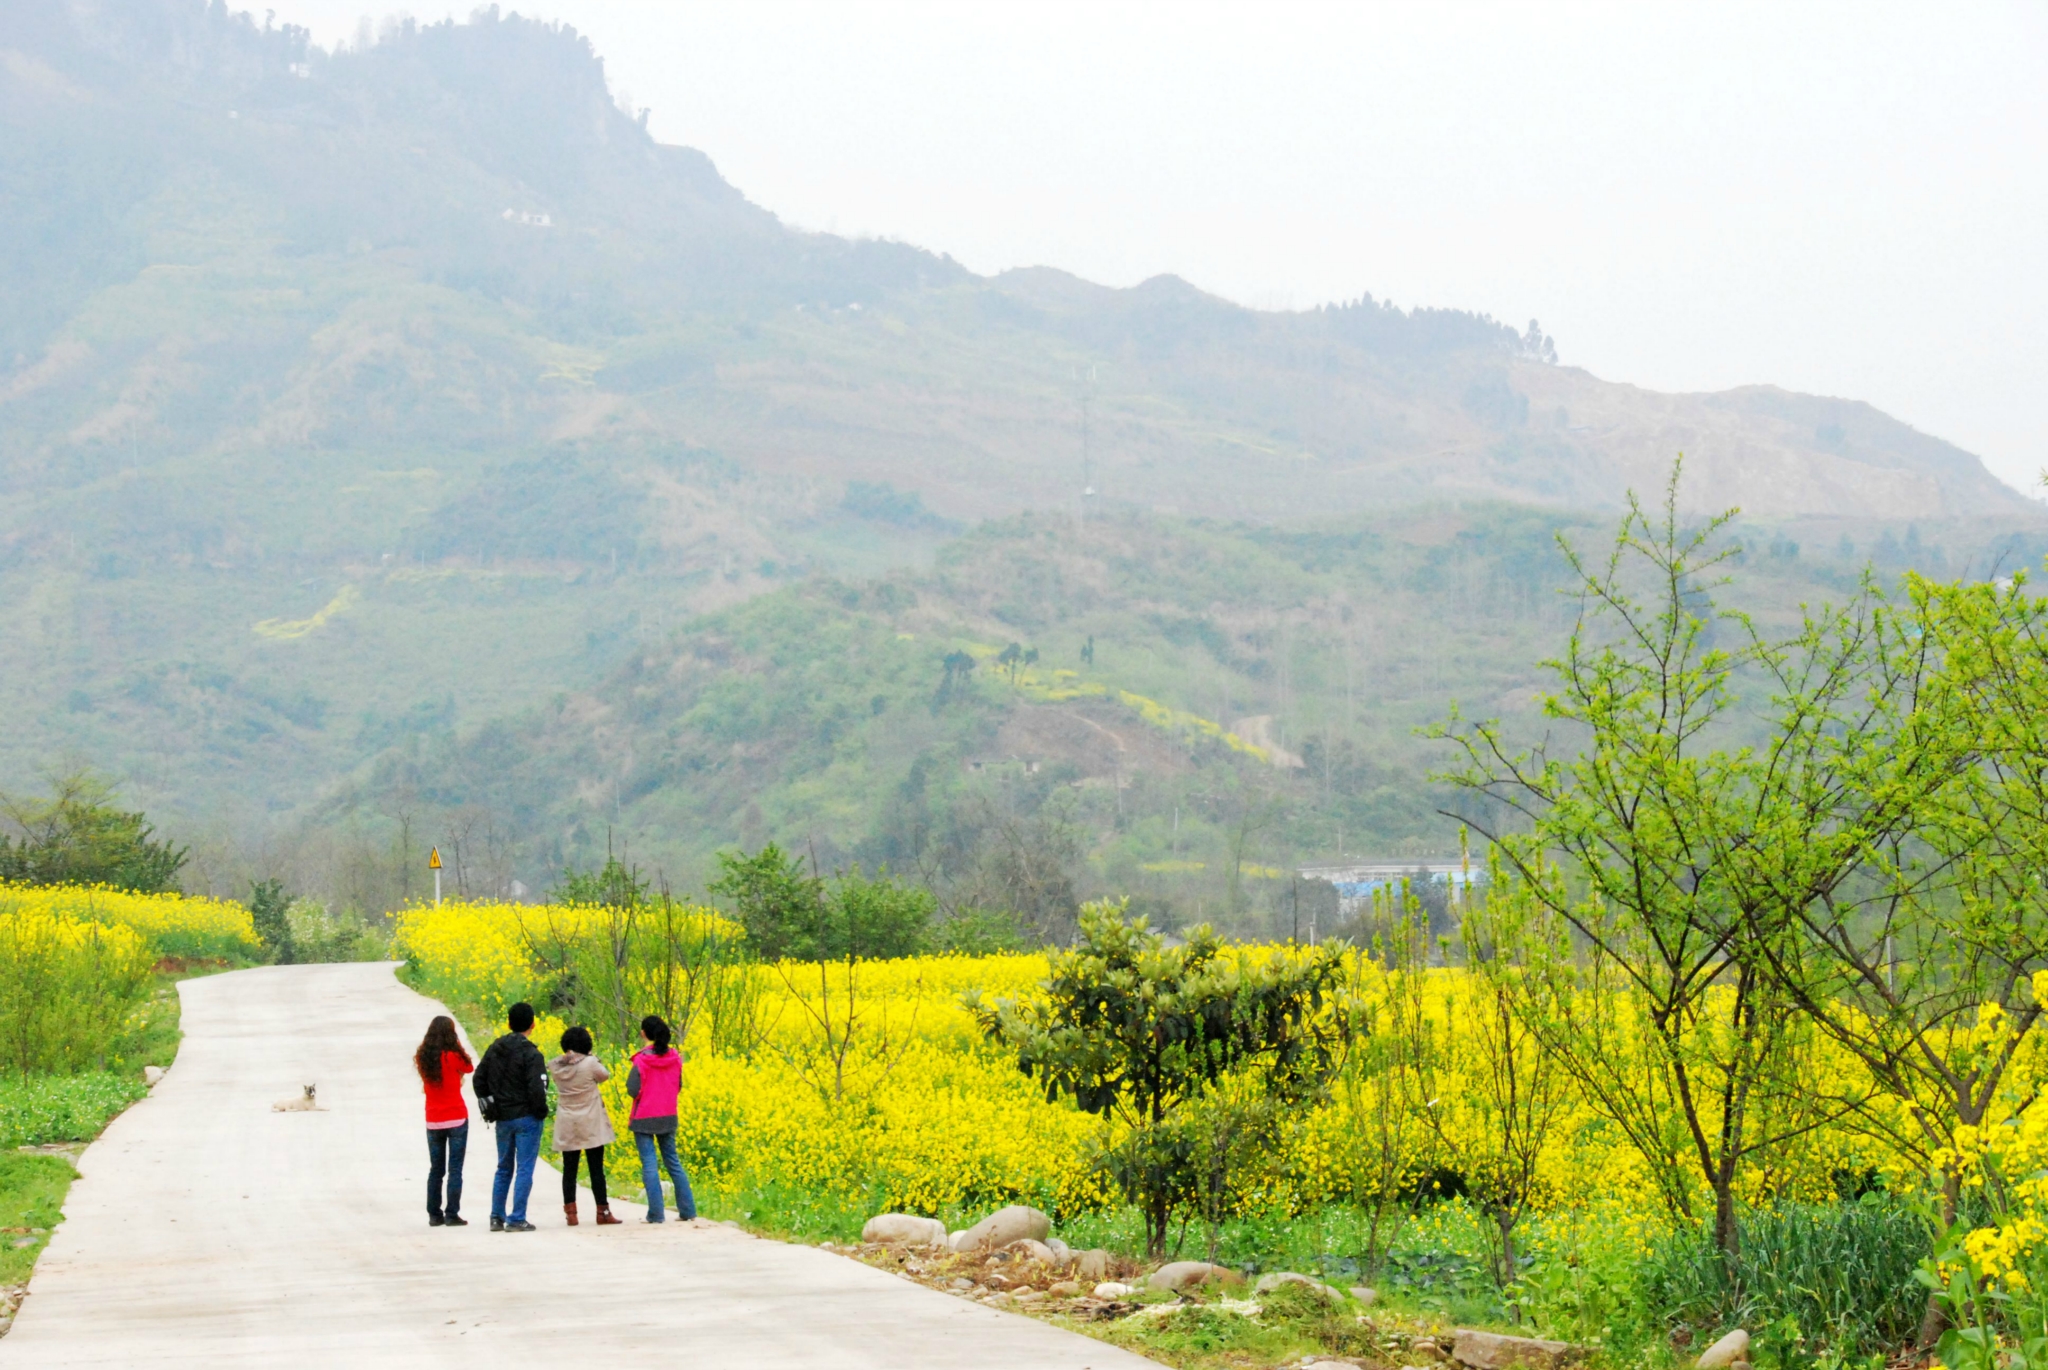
(352, 402)
(1180, 711)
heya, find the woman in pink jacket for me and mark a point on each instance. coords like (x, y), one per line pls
(654, 1082)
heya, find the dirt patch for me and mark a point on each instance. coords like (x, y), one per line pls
(190, 965)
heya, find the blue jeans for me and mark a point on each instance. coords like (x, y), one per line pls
(650, 1175)
(518, 1141)
(446, 1147)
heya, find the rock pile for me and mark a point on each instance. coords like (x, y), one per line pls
(1010, 1258)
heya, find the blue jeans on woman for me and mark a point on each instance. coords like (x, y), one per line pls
(446, 1147)
(650, 1175)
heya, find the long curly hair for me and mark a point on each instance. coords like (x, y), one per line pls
(440, 1038)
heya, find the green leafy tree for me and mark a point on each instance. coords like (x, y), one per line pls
(1661, 873)
(614, 885)
(778, 902)
(790, 913)
(1146, 1035)
(270, 911)
(876, 916)
(78, 836)
(1949, 915)
(958, 672)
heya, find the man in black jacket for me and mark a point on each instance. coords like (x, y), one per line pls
(514, 1079)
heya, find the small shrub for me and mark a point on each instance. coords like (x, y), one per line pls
(318, 935)
(270, 913)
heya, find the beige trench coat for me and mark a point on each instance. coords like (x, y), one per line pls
(580, 1121)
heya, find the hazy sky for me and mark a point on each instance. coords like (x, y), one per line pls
(1850, 200)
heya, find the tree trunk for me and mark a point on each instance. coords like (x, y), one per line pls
(1726, 1236)
(1934, 1318)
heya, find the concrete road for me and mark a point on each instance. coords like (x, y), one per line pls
(208, 1230)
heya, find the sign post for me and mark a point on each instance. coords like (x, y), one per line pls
(434, 865)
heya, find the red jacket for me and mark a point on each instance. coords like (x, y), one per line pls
(444, 1101)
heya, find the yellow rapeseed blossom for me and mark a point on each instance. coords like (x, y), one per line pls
(872, 1080)
(66, 983)
(171, 924)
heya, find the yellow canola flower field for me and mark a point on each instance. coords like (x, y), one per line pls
(873, 1081)
(863, 1080)
(76, 962)
(181, 925)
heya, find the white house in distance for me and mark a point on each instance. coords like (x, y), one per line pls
(1357, 882)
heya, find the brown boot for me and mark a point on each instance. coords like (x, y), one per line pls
(570, 1210)
(604, 1216)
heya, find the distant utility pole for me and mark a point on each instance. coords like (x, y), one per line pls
(1087, 457)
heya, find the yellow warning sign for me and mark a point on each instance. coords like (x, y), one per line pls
(434, 860)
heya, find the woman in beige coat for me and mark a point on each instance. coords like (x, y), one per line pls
(582, 1130)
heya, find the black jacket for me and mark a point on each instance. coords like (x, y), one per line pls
(513, 1074)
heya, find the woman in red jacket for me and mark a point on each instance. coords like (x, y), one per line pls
(442, 1063)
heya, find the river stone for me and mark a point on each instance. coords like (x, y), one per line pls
(1004, 1226)
(1725, 1352)
(1365, 1294)
(1060, 1248)
(1191, 1275)
(150, 1076)
(1111, 1289)
(1027, 1249)
(1065, 1289)
(904, 1229)
(1091, 1265)
(1492, 1351)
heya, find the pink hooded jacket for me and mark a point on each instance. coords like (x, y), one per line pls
(659, 1080)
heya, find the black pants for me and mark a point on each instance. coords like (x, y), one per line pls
(446, 1146)
(596, 1158)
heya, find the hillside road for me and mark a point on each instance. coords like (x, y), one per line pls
(208, 1230)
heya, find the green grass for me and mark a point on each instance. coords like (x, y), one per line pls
(1812, 1281)
(36, 1110)
(1291, 1323)
(32, 1189)
(41, 1109)
(53, 1110)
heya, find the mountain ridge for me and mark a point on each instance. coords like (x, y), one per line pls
(431, 345)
